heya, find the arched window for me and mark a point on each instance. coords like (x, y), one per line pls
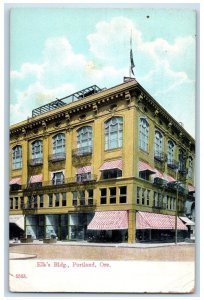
(190, 167)
(84, 140)
(59, 143)
(113, 133)
(181, 161)
(17, 157)
(158, 144)
(37, 149)
(144, 134)
(170, 153)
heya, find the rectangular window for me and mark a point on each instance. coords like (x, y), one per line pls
(144, 175)
(160, 200)
(57, 199)
(74, 198)
(103, 196)
(41, 201)
(112, 195)
(90, 197)
(138, 195)
(22, 202)
(16, 202)
(35, 203)
(50, 200)
(155, 199)
(114, 173)
(58, 178)
(82, 197)
(64, 199)
(148, 197)
(29, 204)
(11, 203)
(123, 194)
(83, 177)
(143, 196)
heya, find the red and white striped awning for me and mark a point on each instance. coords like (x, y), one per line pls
(16, 180)
(109, 220)
(110, 165)
(143, 166)
(36, 178)
(170, 178)
(85, 169)
(191, 188)
(158, 174)
(147, 220)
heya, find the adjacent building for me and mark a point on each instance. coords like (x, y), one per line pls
(111, 164)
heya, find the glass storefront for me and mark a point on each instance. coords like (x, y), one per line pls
(71, 226)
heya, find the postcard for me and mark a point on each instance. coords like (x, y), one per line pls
(102, 150)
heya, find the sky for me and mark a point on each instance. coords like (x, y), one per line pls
(55, 52)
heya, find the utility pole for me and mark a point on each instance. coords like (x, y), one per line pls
(176, 213)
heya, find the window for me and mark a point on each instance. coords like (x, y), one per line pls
(16, 202)
(148, 196)
(155, 199)
(143, 196)
(160, 200)
(57, 199)
(59, 143)
(112, 195)
(181, 161)
(64, 199)
(17, 157)
(41, 201)
(167, 202)
(82, 197)
(138, 195)
(83, 177)
(74, 198)
(144, 175)
(90, 197)
(123, 194)
(113, 133)
(84, 140)
(114, 173)
(50, 200)
(170, 153)
(58, 178)
(144, 134)
(37, 150)
(22, 202)
(35, 201)
(103, 196)
(190, 167)
(11, 203)
(158, 145)
(29, 204)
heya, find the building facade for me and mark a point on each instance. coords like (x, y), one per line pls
(112, 164)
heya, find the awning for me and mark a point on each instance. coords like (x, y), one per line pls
(191, 188)
(18, 220)
(109, 220)
(83, 170)
(147, 220)
(170, 178)
(145, 167)
(110, 165)
(36, 178)
(187, 221)
(16, 180)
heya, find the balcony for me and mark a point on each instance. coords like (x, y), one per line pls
(82, 151)
(57, 157)
(36, 161)
(85, 178)
(160, 156)
(172, 164)
(183, 171)
(30, 206)
(34, 186)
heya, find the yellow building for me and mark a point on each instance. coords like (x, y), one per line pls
(111, 164)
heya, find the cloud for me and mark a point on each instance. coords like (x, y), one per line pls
(163, 68)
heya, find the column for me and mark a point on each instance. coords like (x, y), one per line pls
(131, 226)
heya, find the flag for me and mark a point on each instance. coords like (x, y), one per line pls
(132, 65)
